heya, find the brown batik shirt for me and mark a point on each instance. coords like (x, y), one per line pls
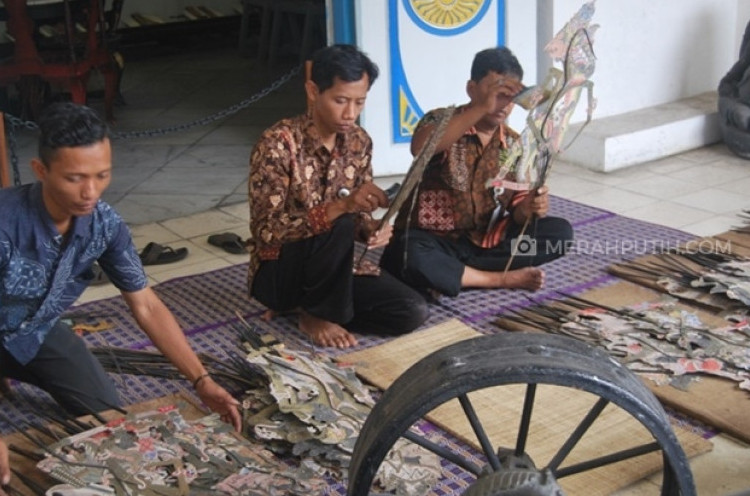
(453, 197)
(293, 176)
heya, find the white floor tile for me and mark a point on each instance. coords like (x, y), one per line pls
(616, 200)
(211, 221)
(239, 210)
(668, 214)
(741, 187)
(206, 265)
(155, 232)
(661, 187)
(615, 178)
(571, 187)
(94, 293)
(667, 165)
(712, 226)
(715, 200)
(713, 174)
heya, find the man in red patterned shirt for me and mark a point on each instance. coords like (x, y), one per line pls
(311, 198)
(461, 232)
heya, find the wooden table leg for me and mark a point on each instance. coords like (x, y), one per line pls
(4, 170)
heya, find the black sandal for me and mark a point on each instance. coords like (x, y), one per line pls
(156, 254)
(229, 242)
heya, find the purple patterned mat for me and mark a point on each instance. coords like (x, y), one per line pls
(205, 306)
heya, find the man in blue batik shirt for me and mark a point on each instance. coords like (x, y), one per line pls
(51, 232)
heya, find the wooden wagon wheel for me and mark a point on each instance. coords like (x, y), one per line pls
(521, 359)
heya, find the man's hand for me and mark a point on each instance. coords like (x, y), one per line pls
(380, 237)
(494, 91)
(535, 203)
(366, 198)
(4, 467)
(220, 401)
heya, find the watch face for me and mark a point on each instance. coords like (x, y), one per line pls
(497, 191)
(447, 16)
(343, 192)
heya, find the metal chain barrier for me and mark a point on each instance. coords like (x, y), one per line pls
(13, 122)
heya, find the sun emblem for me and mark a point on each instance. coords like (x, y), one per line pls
(447, 14)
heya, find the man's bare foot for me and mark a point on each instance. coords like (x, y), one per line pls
(268, 315)
(531, 278)
(5, 388)
(325, 333)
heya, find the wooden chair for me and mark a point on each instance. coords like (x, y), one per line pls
(273, 15)
(313, 14)
(68, 64)
(4, 168)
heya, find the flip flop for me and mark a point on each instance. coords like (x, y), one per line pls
(229, 242)
(100, 277)
(156, 254)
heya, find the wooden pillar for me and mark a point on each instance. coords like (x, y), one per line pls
(308, 75)
(4, 169)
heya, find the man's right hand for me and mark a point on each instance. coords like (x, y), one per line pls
(367, 198)
(495, 91)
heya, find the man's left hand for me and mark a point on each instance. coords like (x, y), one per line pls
(380, 237)
(535, 203)
(220, 401)
(540, 202)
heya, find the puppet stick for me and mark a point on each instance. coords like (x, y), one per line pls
(515, 247)
(414, 174)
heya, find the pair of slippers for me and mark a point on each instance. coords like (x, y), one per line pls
(156, 254)
(228, 242)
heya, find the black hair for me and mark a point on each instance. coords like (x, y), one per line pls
(500, 60)
(343, 61)
(67, 124)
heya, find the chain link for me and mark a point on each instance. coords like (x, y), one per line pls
(13, 122)
(10, 125)
(213, 117)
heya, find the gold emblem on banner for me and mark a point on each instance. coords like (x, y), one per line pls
(446, 13)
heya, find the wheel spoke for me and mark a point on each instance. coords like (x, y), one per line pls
(608, 459)
(577, 434)
(523, 428)
(484, 441)
(443, 452)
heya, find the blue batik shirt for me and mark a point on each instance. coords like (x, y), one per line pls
(42, 274)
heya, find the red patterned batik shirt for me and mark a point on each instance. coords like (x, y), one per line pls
(293, 176)
(453, 198)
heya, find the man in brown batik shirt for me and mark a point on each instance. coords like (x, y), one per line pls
(311, 197)
(461, 233)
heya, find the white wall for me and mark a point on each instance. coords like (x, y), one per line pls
(649, 52)
(653, 52)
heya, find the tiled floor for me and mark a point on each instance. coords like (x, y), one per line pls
(180, 187)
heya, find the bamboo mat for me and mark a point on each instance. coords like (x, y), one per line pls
(557, 410)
